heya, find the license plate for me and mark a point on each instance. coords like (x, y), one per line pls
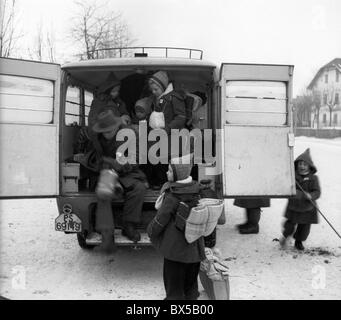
(68, 222)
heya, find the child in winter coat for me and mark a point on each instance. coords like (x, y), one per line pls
(300, 211)
(181, 259)
(142, 110)
(169, 112)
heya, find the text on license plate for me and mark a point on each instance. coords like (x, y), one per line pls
(68, 222)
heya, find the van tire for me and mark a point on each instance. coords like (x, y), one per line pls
(81, 238)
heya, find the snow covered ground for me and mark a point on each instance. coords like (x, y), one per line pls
(37, 262)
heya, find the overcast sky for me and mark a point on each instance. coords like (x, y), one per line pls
(306, 33)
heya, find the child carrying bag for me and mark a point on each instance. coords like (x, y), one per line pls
(199, 220)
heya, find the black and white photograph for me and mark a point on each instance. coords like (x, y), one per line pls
(170, 150)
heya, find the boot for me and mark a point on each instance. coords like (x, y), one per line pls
(283, 242)
(299, 245)
(130, 232)
(108, 242)
(249, 229)
(242, 225)
(251, 226)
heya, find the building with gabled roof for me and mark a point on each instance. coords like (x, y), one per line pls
(327, 85)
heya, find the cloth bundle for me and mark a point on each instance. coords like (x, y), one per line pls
(157, 120)
(108, 185)
(203, 218)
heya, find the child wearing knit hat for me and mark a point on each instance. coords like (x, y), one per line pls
(181, 259)
(168, 112)
(169, 105)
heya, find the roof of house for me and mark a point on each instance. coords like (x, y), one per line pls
(334, 63)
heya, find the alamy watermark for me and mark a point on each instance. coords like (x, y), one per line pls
(156, 146)
(19, 278)
(319, 279)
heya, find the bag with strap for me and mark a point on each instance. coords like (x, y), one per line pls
(200, 220)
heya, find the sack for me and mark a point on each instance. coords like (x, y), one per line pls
(196, 223)
(108, 186)
(207, 192)
(199, 220)
(215, 210)
(157, 120)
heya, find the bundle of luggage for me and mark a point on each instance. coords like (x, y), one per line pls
(200, 220)
(214, 275)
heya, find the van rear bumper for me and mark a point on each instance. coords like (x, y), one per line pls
(83, 203)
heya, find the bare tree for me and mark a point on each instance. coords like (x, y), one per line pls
(8, 27)
(331, 102)
(50, 46)
(43, 45)
(97, 28)
(303, 108)
(317, 103)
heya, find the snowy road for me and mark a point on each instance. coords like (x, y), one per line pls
(37, 262)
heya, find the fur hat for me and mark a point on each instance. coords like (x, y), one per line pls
(145, 104)
(110, 83)
(160, 78)
(106, 121)
(181, 167)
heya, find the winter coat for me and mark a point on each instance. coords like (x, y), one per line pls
(251, 203)
(172, 104)
(163, 233)
(127, 172)
(99, 105)
(300, 209)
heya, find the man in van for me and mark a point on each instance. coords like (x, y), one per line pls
(107, 98)
(129, 175)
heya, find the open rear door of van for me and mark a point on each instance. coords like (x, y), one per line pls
(29, 124)
(257, 136)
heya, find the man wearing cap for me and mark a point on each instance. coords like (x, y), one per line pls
(130, 177)
(107, 98)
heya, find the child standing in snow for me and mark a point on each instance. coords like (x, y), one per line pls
(300, 211)
(181, 259)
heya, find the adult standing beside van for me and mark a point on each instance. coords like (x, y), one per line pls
(253, 212)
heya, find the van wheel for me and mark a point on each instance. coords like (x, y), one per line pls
(81, 236)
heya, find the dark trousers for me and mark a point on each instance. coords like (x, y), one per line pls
(253, 216)
(181, 280)
(132, 207)
(301, 233)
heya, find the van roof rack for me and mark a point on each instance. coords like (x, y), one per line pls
(154, 52)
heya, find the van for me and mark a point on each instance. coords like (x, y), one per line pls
(44, 107)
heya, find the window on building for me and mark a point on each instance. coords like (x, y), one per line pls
(325, 97)
(25, 99)
(335, 119)
(337, 76)
(337, 101)
(326, 78)
(324, 118)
